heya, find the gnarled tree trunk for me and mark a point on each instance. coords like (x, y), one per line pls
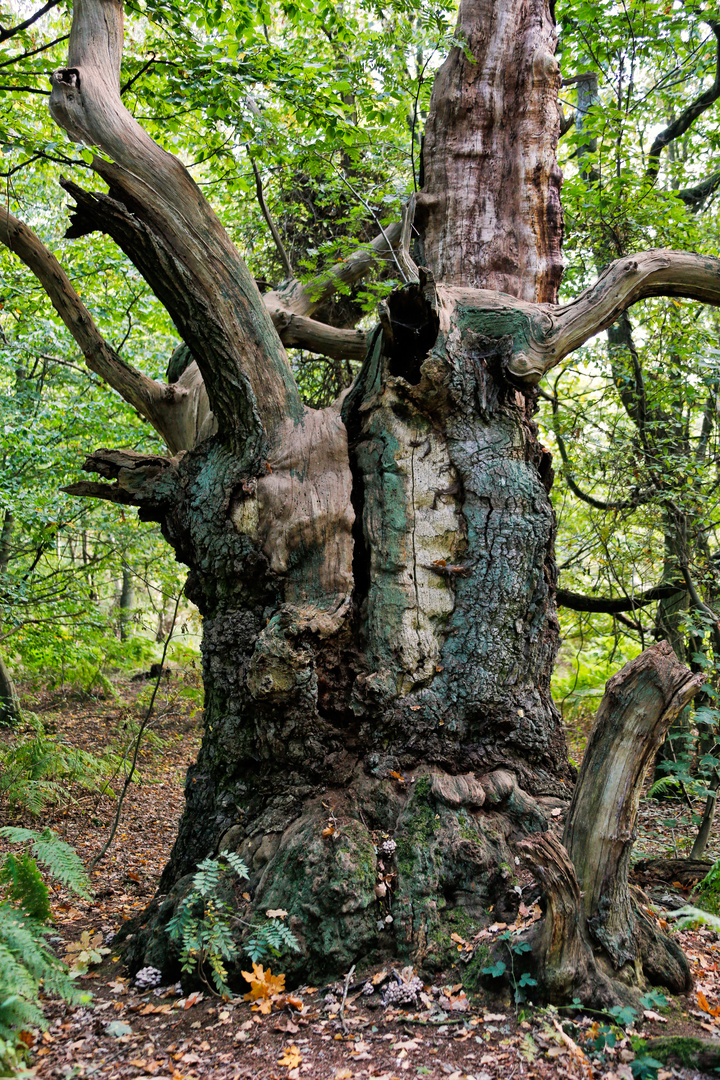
(377, 585)
(376, 579)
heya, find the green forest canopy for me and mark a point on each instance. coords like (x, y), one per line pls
(309, 116)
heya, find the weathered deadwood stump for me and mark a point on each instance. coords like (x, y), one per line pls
(595, 942)
(683, 872)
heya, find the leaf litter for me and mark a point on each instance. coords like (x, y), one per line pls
(443, 1033)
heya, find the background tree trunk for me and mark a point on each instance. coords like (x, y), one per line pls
(9, 701)
(126, 601)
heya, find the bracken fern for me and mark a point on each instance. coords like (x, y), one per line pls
(27, 963)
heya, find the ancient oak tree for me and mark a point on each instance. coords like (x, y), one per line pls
(376, 578)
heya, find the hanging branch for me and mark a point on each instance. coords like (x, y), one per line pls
(613, 605)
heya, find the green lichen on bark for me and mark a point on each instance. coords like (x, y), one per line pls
(436, 664)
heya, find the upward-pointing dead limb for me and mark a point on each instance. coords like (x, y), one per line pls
(594, 930)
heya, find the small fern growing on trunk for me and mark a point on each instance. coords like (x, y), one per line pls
(205, 926)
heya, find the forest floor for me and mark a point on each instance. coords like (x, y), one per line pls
(123, 1032)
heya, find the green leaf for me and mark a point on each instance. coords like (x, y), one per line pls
(498, 968)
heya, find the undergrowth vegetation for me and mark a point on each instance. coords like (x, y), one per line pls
(205, 926)
(38, 769)
(28, 965)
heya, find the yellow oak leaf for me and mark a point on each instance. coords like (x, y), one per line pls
(291, 1057)
(263, 986)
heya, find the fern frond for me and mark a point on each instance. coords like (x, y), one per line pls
(237, 864)
(689, 916)
(25, 886)
(663, 785)
(59, 859)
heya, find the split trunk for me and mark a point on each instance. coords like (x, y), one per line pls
(376, 579)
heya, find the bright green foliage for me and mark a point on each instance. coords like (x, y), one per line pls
(690, 917)
(203, 924)
(57, 858)
(27, 964)
(36, 769)
(653, 999)
(521, 984)
(207, 929)
(632, 416)
(23, 883)
(623, 1015)
(271, 938)
(707, 894)
(645, 1068)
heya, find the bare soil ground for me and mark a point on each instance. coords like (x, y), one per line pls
(447, 1033)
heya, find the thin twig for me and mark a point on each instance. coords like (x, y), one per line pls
(370, 210)
(128, 779)
(435, 1023)
(12, 31)
(148, 63)
(341, 1013)
(34, 52)
(271, 224)
(413, 128)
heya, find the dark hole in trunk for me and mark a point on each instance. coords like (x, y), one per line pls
(414, 331)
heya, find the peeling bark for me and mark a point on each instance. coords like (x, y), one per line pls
(355, 591)
(595, 941)
(489, 212)
(562, 952)
(639, 705)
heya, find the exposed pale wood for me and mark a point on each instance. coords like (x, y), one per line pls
(489, 212)
(317, 337)
(561, 949)
(304, 503)
(639, 705)
(304, 299)
(142, 480)
(165, 225)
